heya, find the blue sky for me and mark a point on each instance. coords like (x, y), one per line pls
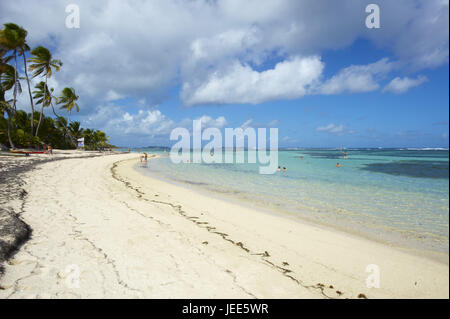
(311, 69)
(416, 118)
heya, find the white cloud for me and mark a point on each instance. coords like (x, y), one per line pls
(241, 84)
(357, 78)
(273, 123)
(287, 80)
(401, 85)
(112, 95)
(208, 121)
(139, 49)
(117, 122)
(332, 128)
(146, 127)
(416, 31)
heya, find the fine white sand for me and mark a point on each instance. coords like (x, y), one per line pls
(102, 230)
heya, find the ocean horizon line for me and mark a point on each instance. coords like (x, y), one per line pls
(295, 148)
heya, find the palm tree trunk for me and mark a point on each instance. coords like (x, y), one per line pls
(11, 144)
(31, 100)
(14, 102)
(43, 104)
(66, 129)
(40, 119)
(53, 109)
(15, 81)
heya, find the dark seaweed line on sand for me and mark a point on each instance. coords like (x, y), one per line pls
(263, 255)
(14, 232)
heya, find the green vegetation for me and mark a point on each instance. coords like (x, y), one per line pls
(34, 129)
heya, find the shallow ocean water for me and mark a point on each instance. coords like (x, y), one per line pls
(396, 196)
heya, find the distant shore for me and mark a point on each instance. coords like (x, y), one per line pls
(102, 230)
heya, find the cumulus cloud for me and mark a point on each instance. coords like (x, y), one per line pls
(334, 129)
(416, 31)
(241, 84)
(114, 120)
(111, 95)
(145, 127)
(208, 121)
(357, 78)
(400, 85)
(289, 79)
(143, 48)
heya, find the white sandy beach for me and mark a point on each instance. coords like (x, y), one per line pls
(132, 236)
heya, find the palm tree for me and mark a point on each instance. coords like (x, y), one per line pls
(8, 79)
(49, 97)
(68, 100)
(22, 51)
(76, 130)
(43, 96)
(42, 63)
(12, 38)
(3, 59)
(42, 92)
(18, 34)
(61, 125)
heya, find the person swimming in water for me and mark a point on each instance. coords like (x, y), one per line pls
(279, 168)
(338, 165)
(284, 169)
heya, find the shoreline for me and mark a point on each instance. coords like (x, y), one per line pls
(133, 236)
(398, 252)
(394, 241)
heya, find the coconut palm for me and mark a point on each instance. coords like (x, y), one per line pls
(12, 38)
(42, 64)
(61, 125)
(19, 40)
(8, 79)
(22, 51)
(42, 92)
(39, 94)
(68, 100)
(76, 130)
(4, 59)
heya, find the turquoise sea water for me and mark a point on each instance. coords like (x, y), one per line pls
(396, 196)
